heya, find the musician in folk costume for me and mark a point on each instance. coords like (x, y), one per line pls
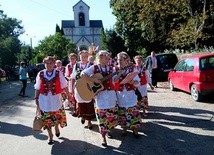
(106, 110)
(48, 88)
(128, 115)
(144, 81)
(83, 108)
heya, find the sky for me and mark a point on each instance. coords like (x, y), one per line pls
(39, 17)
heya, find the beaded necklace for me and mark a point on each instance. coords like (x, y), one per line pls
(103, 72)
(48, 74)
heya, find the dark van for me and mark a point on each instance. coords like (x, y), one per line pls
(166, 62)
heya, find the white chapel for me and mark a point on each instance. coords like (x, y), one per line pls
(82, 31)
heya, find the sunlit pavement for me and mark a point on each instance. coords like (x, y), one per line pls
(175, 125)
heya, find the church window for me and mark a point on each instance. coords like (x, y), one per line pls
(81, 19)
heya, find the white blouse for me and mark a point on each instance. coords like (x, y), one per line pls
(105, 99)
(143, 88)
(126, 98)
(50, 102)
(73, 76)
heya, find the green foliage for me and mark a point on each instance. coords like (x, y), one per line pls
(103, 39)
(10, 46)
(127, 24)
(114, 42)
(55, 45)
(157, 25)
(25, 54)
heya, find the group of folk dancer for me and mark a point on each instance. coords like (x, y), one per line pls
(116, 103)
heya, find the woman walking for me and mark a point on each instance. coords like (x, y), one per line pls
(23, 77)
(48, 88)
(106, 110)
(83, 108)
(129, 116)
(144, 81)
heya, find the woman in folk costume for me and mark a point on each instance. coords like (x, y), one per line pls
(128, 115)
(59, 66)
(69, 68)
(83, 108)
(106, 110)
(144, 80)
(48, 88)
(111, 61)
(68, 71)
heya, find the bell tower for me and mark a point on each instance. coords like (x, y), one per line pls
(81, 14)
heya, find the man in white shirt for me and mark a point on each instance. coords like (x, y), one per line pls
(152, 65)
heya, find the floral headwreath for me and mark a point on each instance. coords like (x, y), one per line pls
(138, 57)
(83, 52)
(124, 55)
(103, 53)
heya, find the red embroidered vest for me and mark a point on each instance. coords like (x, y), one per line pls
(142, 75)
(70, 69)
(52, 85)
(120, 87)
(108, 84)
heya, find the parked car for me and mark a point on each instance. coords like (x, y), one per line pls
(167, 61)
(40, 66)
(2, 73)
(194, 74)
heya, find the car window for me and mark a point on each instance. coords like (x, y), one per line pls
(189, 65)
(167, 61)
(207, 63)
(180, 66)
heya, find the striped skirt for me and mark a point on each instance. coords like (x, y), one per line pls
(107, 119)
(130, 117)
(51, 118)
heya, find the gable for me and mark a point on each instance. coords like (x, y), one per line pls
(82, 3)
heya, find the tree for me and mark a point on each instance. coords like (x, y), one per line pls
(10, 45)
(56, 45)
(9, 48)
(58, 30)
(157, 25)
(114, 42)
(103, 39)
(127, 25)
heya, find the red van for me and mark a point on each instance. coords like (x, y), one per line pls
(194, 74)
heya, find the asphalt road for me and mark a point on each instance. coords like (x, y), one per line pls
(175, 125)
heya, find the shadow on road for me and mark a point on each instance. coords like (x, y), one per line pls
(19, 130)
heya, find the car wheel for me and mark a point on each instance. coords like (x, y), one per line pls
(171, 86)
(196, 95)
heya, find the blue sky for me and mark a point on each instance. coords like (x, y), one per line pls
(39, 17)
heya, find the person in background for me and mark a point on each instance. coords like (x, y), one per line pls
(69, 68)
(153, 65)
(83, 109)
(68, 71)
(59, 66)
(91, 59)
(111, 61)
(48, 88)
(128, 116)
(23, 77)
(144, 81)
(106, 110)
(35, 72)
